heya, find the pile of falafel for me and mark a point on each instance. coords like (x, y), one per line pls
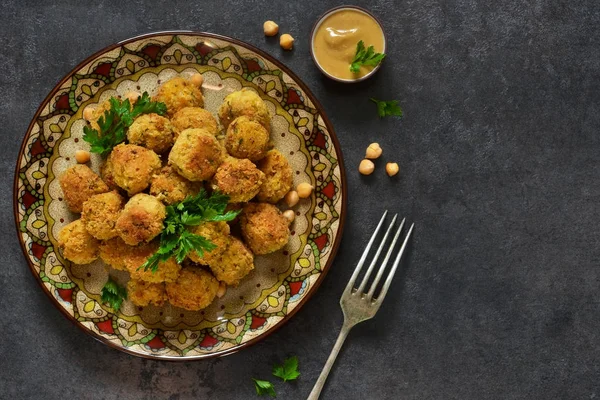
(165, 159)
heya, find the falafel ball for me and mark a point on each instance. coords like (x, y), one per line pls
(99, 112)
(133, 167)
(115, 252)
(108, 176)
(152, 132)
(170, 187)
(194, 117)
(247, 139)
(178, 93)
(278, 177)
(218, 234)
(264, 228)
(142, 293)
(100, 213)
(239, 179)
(77, 244)
(78, 184)
(193, 290)
(141, 220)
(196, 155)
(244, 102)
(235, 263)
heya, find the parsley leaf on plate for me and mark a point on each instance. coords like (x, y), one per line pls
(288, 371)
(113, 294)
(365, 56)
(264, 387)
(176, 240)
(115, 121)
(387, 108)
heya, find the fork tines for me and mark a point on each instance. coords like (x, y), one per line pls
(361, 289)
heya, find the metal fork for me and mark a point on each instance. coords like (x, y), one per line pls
(357, 305)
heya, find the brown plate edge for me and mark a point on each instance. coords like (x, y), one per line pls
(324, 270)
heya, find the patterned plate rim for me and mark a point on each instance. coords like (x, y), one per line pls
(341, 219)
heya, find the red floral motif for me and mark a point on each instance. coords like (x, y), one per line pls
(103, 69)
(208, 342)
(293, 97)
(329, 190)
(62, 102)
(252, 66)
(203, 49)
(106, 326)
(37, 250)
(151, 50)
(156, 343)
(37, 148)
(319, 140)
(28, 199)
(257, 322)
(295, 288)
(66, 294)
(321, 241)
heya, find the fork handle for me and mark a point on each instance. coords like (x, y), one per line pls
(314, 394)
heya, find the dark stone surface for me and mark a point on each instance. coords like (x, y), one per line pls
(499, 155)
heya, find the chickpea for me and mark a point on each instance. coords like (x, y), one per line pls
(304, 190)
(88, 113)
(366, 167)
(221, 290)
(373, 151)
(82, 156)
(291, 198)
(290, 215)
(286, 41)
(392, 168)
(197, 79)
(270, 28)
(132, 97)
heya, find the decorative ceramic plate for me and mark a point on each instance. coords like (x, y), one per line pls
(281, 282)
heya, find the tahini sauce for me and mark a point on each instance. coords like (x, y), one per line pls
(335, 41)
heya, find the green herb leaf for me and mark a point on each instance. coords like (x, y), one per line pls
(387, 108)
(114, 123)
(264, 387)
(113, 294)
(366, 57)
(176, 240)
(288, 371)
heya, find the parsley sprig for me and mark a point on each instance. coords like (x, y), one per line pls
(387, 108)
(115, 121)
(288, 371)
(264, 387)
(365, 56)
(113, 294)
(176, 240)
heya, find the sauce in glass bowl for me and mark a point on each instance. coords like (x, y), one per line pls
(335, 37)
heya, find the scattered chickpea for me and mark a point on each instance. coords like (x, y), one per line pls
(132, 96)
(286, 41)
(366, 167)
(291, 198)
(304, 190)
(82, 156)
(197, 79)
(88, 113)
(221, 290)
(392, 168)
(373, 151)
(290, 215)
(270, 28)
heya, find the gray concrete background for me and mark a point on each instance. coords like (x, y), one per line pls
(499, 151)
